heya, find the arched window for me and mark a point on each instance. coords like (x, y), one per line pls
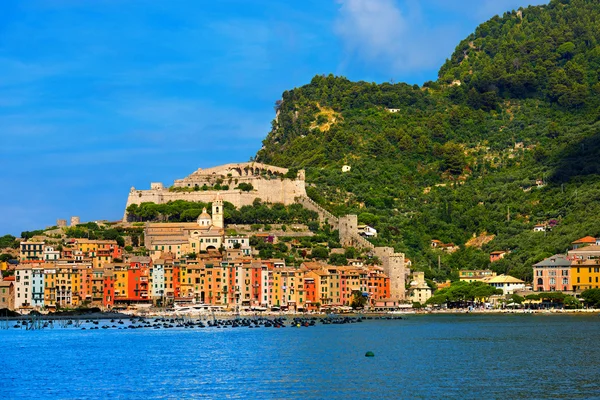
(540, 281)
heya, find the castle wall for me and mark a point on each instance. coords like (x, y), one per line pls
(268, 190)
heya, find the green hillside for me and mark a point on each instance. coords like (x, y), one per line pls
(506, 138)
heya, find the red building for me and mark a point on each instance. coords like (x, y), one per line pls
(311, 293)
(108, 298)
(137, 279)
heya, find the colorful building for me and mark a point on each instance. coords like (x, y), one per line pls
(552, 274)
(31, 251)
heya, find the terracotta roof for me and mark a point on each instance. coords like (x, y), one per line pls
(583, 240)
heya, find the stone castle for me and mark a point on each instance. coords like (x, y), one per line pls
(268, 183)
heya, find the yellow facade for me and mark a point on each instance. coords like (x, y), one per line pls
(121, 282)
(50, 287)
(585, 275)
(276, 295)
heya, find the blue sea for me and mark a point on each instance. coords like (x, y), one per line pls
(421, 357)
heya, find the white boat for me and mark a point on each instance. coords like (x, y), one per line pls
(197, 309)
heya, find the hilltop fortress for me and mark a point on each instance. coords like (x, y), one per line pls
(238, 184)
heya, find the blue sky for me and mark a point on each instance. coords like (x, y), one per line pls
(98, 96)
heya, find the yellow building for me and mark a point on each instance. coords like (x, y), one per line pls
(291, 285)
(321, 279)
(334, 286)
(61, 285)
(121, 281)
(585, 274)
(276, 288)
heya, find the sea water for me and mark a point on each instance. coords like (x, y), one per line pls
(430, 356)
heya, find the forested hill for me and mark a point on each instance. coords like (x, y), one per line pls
(506, 138)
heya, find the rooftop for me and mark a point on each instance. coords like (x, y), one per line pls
(585, 240)
(504, 279)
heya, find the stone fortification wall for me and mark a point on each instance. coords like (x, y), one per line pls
(268, 189)
(232, 174)
(324, 215)
(392, 263)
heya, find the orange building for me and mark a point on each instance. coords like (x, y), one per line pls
(137, 279)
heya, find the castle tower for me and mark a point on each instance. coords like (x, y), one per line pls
(217, 212)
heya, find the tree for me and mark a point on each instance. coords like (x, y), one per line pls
(453, 157)
(338, 259)
(245, 187)
(350, 253)
(320, 252)
(571, 302)
(358, 300)
(591, 297)
(7, 241)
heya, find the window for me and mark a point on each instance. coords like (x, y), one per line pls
(565, 281)
(552, 281)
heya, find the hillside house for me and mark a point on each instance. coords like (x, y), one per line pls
(367, 231)
(539, 228)
(497, 255)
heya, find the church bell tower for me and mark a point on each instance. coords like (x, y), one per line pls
(217, 213)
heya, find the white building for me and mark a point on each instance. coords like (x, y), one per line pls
(50, 254)
(367, 231)
(22, 287)
(507, 283)
(157, 274)
(243, 243)
(266, 279)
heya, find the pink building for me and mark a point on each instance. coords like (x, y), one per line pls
(552, 274)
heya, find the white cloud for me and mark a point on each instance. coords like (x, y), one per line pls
(379, 32)
(397, 36)
(370, 27)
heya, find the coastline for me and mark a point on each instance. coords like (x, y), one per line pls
(228, 315)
